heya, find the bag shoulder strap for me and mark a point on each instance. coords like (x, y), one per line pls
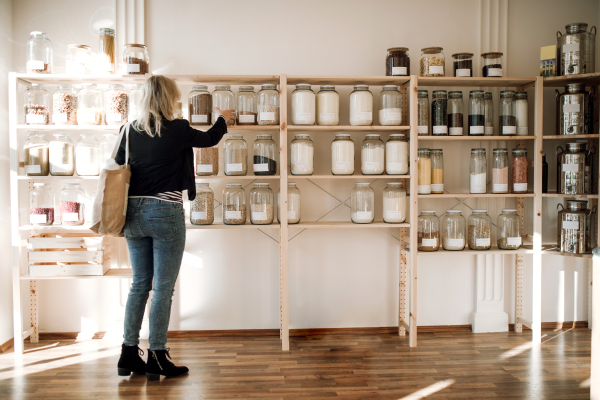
(124, 131)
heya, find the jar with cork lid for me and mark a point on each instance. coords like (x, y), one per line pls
(463, 64)
(433, 61)
(397, 62)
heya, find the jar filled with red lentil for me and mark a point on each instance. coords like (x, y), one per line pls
(72, 199)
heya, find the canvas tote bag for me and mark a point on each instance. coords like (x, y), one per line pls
(110, 205)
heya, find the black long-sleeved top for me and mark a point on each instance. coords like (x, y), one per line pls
(166, 163)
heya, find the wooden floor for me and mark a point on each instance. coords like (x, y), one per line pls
(444, 366)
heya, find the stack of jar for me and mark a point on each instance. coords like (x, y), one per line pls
(41, 205)
(433, 63)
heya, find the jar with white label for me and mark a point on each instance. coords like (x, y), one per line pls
(390, 106)
(107, 145)
(509, 230)
(362, 203)
(61, 155)
(476, 113)
(428, 230)
(394, 203)
(455, 113)
(223, 99)
(328, 106)
(423, 113)
(87, 155)
(574, 108)
(372, 155)
(265, 155)
(64, 105)
(424, 171)
(396, 155)
(439, 113)
(500, 171)
(508, 120)
(433, 61)
(247, 102)
(234, 204)
(293, 204)
(302, 153)
(361, 106)
(202, 210)
(106, 60)
(90, 110)
(479, 230)
(37, 105)
(453, 230)
(521, 113)
(573, 227)
(519, 170)
(72, 205)
(115, 105)
(492, 64)
(488, 104)
(207, 161)
(200, 106)
(437, 170)
(80, 59)
(303, 105)
(41, 204)
(571, 168)
(38, 53)
(463, 64)
(397, 62)
(268, 105)
(235, 155)
(36, 155)
(342, 155)
(261, 204)
(136, 60)
(134, 100)
(478, 171)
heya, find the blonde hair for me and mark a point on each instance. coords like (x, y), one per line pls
(159, 95)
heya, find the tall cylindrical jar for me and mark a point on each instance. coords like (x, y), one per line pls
(87, 155)
(265, 152)
(521, 113)
(437, 170)
(424, 171)
(328, 106)
(224, 99)
(293, 204)
(303, 105)
(342, 155)
(509, 230)
(478, 171)
(508, 120)
(572, 227)
(115, 105)
(41, 204)
(134, 100)
(302, 153)
(390, 106)
(571, 169)
(36, 155)
(39, 53)
(261, 204)
(396, 155)
(455, 113)
(79, 60)
(72, 205)
(372, 155)
(476, 113)
(235, 155)
(361, 106)
(423, 113)
(433, 61)
(576, 50)
(453, 230)
(362, 203)
(247, 103)
(428, 230)
(202, 210)
(61, 155)
(37, 105)
(207, 161)
(107, 145)
(107, 62)
(234, 204)
(394, 203)
(268, 105)
(397, 62)
(500, 171)
(519, 170)
(439, 112)
(64, 105)
(489, 113)
(492, 64)
(200, 106)
(574, 116)
(136, 60)
(89, 105)
(479, 230)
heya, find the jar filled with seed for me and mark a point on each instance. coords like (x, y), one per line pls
(508, 120)
(433, 61)
(134, 100)
(72, 205)
(223, 99)
(488, 104)
(261, 204)
(41, 204)
(39, 53)
(203, 206)
(36, 155)
(453, 230)
(428, 230)
(479, 230)
(61, 155)
(519, 170)
(423, 113)
(135, 59)
(247, 102)
(439, 113)
(268, 105)
(64, 104)
(455, 113)
(207, 161)
(264, 152)
(200, 105)
(235, 155)
(80, 59)
(397, 62)
(234, 204)
(115, 105)
(509, 230)
(87, 155)
(89, 105)
(37, 105)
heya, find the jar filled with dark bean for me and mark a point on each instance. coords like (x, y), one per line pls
(455, 113)
(492, 64)
(488, 104)
(423, 111)
(397, 62)
(200, 105)
(508, 120)
(265, 150)
(439, 112)
(476, 113)
(463, 64)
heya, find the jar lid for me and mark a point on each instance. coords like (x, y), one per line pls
(453, 211)
(78, 46)
(478, 150)
(60, 135)
(35, 86)
(507, 93)
(36, 134)
(573, 147)
(200, 87)
(439, 92)
(268, 86)
(291, 183)
(141, 46)
(423, 93)
(222, 87)
(575, 87)
(432, 50)
(116, 86)
(424, 152)
(398, 49)
(39, 184)
(493, 54)
(342, 135)
(107, 31)
(234, 184)
(390, 87)
(576, 27)
(246, 88)
(500, 150)
(327, 87)
(302, 136)
(261, 184)
(137, 86)
(362, 184)
(63, 87)
(480, 211)
(90, 136)
(72, 185)
(361, 87)
(264, 136)
(455, 95)
(372, 136)
(509, 210)
(109, 135)
(235, 136)
(462, 56)
(397, 136)
(521, 95)
(436, 151)
(303, 86)
(576, 205)
(519, 151)
(476, 93)
(487, 95)
(38, 35)
(427, 212)
(88, 85)
(395, 184)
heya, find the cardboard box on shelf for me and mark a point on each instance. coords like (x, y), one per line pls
(548, 61)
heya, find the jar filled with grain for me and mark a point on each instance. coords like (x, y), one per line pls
(72, 205)
(107, 60)
(424, 171)
(433, 61)
(134, 100)
(423, 113)
(61, 155)
(390, 106)
(302, 153)
(509, 230)
(455, 113)
(38, 53)
(428, 231)
(303, 105)
(207, 161)
(453, 230)
(268, 105)
(64, 105)
(397, 62)
(479, 235)
(437, 170)
(328, 106)
(135, 59)
(89, 105)
(80, 59)
(521, 113)
(234, 204)
(261, 204)
(372, 155)
(492, 64)
(394, 203)
(361, 106)
(463, 64)
(247, 103)
(500, 171)
(115, 105)
(396, 155)
(202, 210)
(264, 151)
(293, 204)
(36, 155)
(439, 113)
(87, 155)
(41, 204)
(37, 105)
(235, 155)
(508, 120)
(200, 105)
(519, 170)
(342, 155)
(107, 145)
(362, 203)
(224, 99)
(488, 104)
(476, 113)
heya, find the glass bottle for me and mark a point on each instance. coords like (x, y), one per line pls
(394, 203)
(508, 121)
(202, 210)
(390, 106)
(476, 113)
(107, 145)
(433, 61)
(247, 101)
(303, 105)
(265, 155)
(115, 105)
(372, 155)
(293, 204)
(89, 105)
(396, 155)
(39, 53)
(544, 174)
(489, 113)
(268, 105)
(423, 110)
(479, 230)
(200, 106)
(439, 112)
(428, 229)
(397, 62)
(36, 155)
(37, 105)
(500, 171)
(87, 155)
(361, 106)
(455, 113)
(61, 155)
(207, 161)
(135, 59)
(509, 230)
(134, 100)
(362, 203)
(235, 155)
(261, 204)
(72, 205)
(224, 99)
(521, 113)
(342, 155)
(437, 170)
(519, 170)
(107, 62)
(64, 105)
(492, 64)
(453, 230)
(463, 64)
(424, 169)
(41, 204)
(80, 59)
(478, 171)
(302, 153)
(234, 204)
(328, 106)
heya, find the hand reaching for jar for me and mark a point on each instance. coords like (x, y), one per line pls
(228, 114)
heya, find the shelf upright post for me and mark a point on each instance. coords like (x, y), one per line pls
(536, 315)
(402, 284)
(414, 209)
(283, 231)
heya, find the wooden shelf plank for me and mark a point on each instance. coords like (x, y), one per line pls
(198, 178)
(220, 225)
(227, 79)
(464, 195)
(113, 128)
(387, 177)
(592, 79)
(474, 138)
(493, 250)
(112, 273)
(86, 227)
(60, 178)
(552, 249)
(570, 137)
(58, 79)
(347, 80)
(572, 196)
(346, 128)
(236, 178)
(473, 82)
(345, 224)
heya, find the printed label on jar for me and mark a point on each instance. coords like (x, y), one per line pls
(234, 167)
(233, 214)
(70, 217)
(513, 241)
(303, 117)
(436, 70)
(204, 168)
(482, 242)
(495, 72)
(267, 116)
(439, 129)
(33, 169)
(437, 187)
(61, 168)
(489, 130)
(570, 168)
(393, 116)
(477, 129)
(35, 64)
(422, 129)
(461, 72)
(393, 214)
(59, 117)
(364, 215)
(300, 165)
(198, 214)
(456, 131)
(371, 166)
(570, 47)
(133, 68)
(259, 215)
(428, 242)
(570, 225)
(500, 187)
(424, 189)
(519, 187)
(327, 117)
(86, 117)
(343, 165)
(291, 214)
(523, 131)
(509, 130)
(456, 242)
(398, 71)
(261, 167)
(114, 117)
(245, 119)
(391, 166)
(365, 115)
(37, 218)
(35, 119)
(569, 108)
(202, 119)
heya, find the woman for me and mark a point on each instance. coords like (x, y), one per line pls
(162, 166)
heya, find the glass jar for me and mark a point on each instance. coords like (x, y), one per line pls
(72, 205)
(428, 229)
(397, 62)
(41, 204)
(394, 203)
(519, 170)
(268, 105)
(521, 113)
(64, 105)
(509, 230)
(492, 64)
(115, 105)
(476, 113)
(80, 59)
(223, 99)
(372, 155)
(390, 106)
(478, 171)
(207, 161)
(303, 105)
(433, 61)
(261, 204)
(246, 106)
(500, 171)
(107, 145)
(89, 105)
(39, 54)
(437, 170)
(572, 227)
(455, 113)
(265, 155)
(134, 100)
(424, 171)
(135, 59)
(234, 204)
(107, 63)
(235, 155)
(302, 153)
(396, 155)
(453, 230)
(87, 155)
(463, 64)
(439, 112)
(202, 210)
(423, 111)
(362, 203)
(37, 105)
(479, 227)
(361, 106)
(200, 106)
(488, 103)
(328, 106)
(36, 155)
(293, 204)
(61, 155)
(342, 155)
(508, 121)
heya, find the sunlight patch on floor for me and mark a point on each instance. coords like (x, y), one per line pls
(429, 390)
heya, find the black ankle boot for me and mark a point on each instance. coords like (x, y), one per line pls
(159, 364)
(131, 361)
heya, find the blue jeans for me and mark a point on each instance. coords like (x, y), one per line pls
(155, 234)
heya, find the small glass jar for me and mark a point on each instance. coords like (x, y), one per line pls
(223, 99)
(394, 203)
(200, 106)
(500, 171)
(72, 205)
(328, 106)
(478, 171)
(509, 230)
(202, 210)
(80, 59)
(439, 113)
(492, 64)
(135, 59)
(521, 113)
(39, 53)
(115, 105)
(293, 204)
(362, 203)
(342, 155)
(36, 155)
(455, 113)
(265, 155)
(433, 61)
(361, 106)
(268, 105)
(87, 155)
(463, 64)
(261, 204)
(453, 230)
(396, 155)
(235, 155)
(64, 105)
(234, 204)
(41, 204)
(519, 170)
(428, 230)
(107, 145)
(476, 113)
(372, 155)
(488, 104)
(390, 106)
(134, 100)
(61, 155)
(479, 230)
(37, 105)
(508, 121)
(303, 105)
(207, 161)
(302, 154)
(424, 171)
(107, 60)
(423, 111)
(397, 62)
(247, 101)
(89, 105)
(437, 170)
